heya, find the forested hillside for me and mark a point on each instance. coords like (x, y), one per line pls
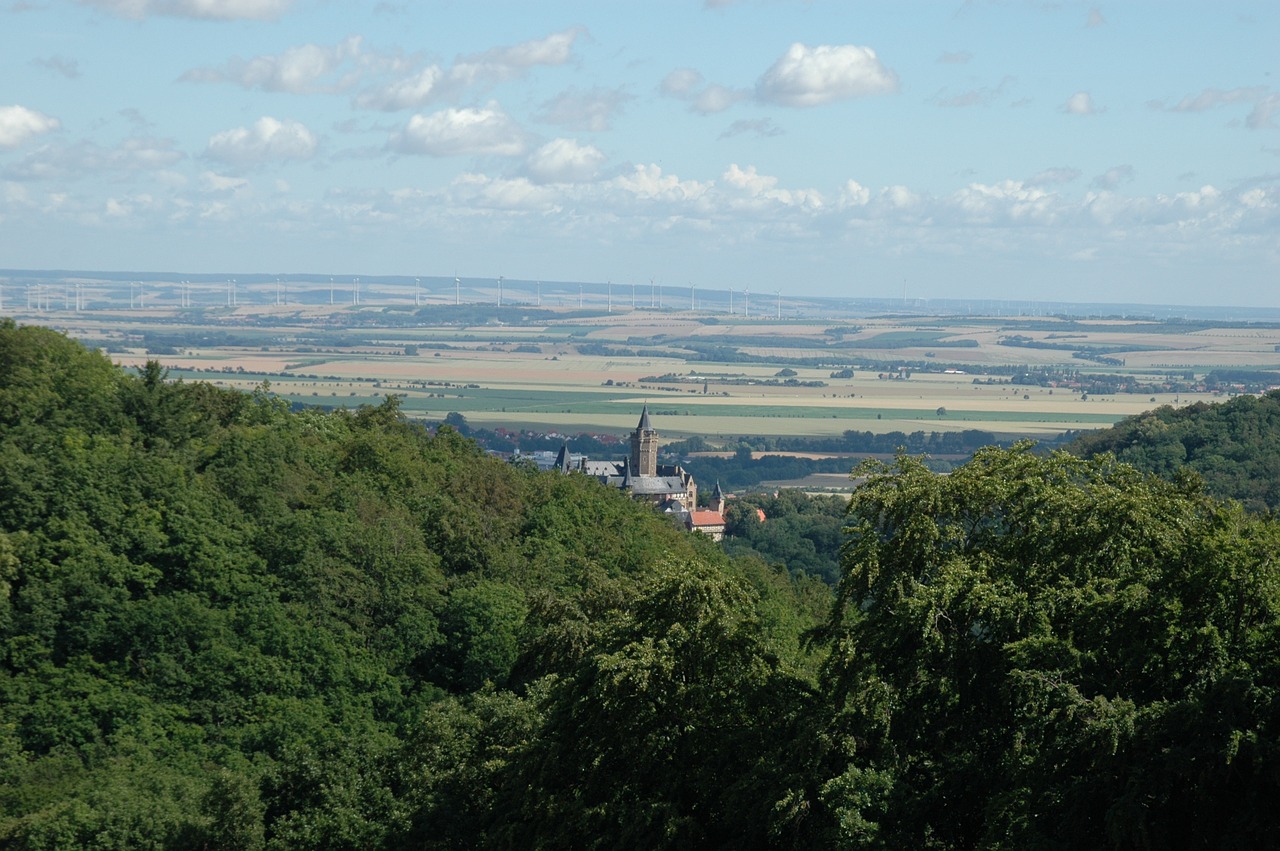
(228, 625)
(225, 624)
(1234, 445)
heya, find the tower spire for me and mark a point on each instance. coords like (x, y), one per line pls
(644, 446)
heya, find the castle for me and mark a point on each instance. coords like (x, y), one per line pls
(669, 487)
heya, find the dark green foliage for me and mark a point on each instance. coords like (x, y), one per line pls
(671, 725)
(804, 533)
(1235, 446)
(226, 625)
(1050, 652)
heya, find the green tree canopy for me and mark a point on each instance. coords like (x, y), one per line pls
(1047, 651)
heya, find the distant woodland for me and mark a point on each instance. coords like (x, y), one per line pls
(229, 625)
(1234, 446)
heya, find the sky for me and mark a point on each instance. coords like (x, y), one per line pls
(1124, 152)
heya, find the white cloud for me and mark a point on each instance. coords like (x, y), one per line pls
(1113, 177)
(297, 70)
(762, 127)
(649, 183)
(810, 76)
(218, 10)
(1263, 112)
(688, 85)
(765, 188)
(510, 194)
(414, 90)
(434, 83)
(214, 182)
(502, 63)
(592, 110)
(19, 125)
(1210, 98)
(983, 96)
(1009, 201)
(716, 98)
(1265, 103)
(137, 154)
(268, 140)
(853, 194)
(1053, 176)
(454, 132)
(899, 197)
(680, 82)
(564, 161)
(1080, 103)
(68, 68)
(1257, 199)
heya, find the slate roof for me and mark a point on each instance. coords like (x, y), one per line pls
(648, 485)
(602, 468)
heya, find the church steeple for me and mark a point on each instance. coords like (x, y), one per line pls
(717, 500)
(644, 446)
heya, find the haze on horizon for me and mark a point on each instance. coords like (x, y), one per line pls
(1087, 152)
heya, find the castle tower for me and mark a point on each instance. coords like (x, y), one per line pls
(644, 446)
(562, 459)
(717, 500)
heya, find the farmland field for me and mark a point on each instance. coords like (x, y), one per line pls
(570, 371)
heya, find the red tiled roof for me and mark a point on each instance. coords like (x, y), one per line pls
(706, 518)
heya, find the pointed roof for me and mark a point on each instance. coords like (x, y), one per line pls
(626, 476)
(717, 493)
(562, 459)
(644, 419)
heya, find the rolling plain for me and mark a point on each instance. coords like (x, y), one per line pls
(589, 369)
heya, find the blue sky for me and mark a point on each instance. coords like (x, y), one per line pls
(1121, 152)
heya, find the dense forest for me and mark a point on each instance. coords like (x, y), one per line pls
(805, 533)
(230, 625)
(1234, 446)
